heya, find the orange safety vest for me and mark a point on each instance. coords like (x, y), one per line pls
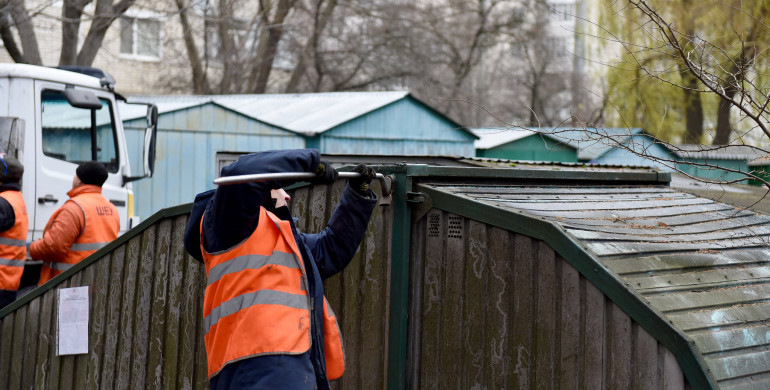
(13, 243)
(257, 303)
(101, 227)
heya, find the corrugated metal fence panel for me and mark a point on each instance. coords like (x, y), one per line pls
(144, 322)
(495, 309)
(186, 152)
(405, 127)
(359, 294)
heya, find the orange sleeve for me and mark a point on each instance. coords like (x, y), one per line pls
(59, 234)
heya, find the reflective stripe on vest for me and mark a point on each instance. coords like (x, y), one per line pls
(13, 243)
(256, 300)
(101, 227)
(56, 266)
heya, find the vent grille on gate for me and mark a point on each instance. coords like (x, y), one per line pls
(455, 228)
(434, 225)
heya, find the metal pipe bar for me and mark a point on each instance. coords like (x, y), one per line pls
(385, 181)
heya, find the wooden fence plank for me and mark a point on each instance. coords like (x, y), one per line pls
(189, 333)
(316, 211)
(6, 349)
(114, 307)
(418, 256)
(618, 352)
(473, 314)
(569, 329)
(45, 347)
(300, 201)
(141, 308)
(347, 303)
(545, 316)
(201, 377)
(100, 290)
(157, 304)
(673, 378)
(433, 290)
(374, 310)
(177, 262)
(334, 287)
(645, 358)
(450, 358)
(499, 320)
(17, 348)
(67, 362)
(81, 361)
(123, 375)
(32, 337)
(521, 347)
(591, 362)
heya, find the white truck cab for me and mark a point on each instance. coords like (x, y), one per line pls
(52, 120)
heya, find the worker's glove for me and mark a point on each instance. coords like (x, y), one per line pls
(324, 173)
(361, 183)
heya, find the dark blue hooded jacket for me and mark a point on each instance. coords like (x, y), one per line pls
(232, 215)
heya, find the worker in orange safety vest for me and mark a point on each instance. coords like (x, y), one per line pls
(267, 324)
(81, 226)
(13, 228)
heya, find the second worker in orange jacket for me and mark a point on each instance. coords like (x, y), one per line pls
(81, 226)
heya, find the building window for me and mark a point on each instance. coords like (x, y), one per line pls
(556, 46)
(563, 12)
(140, 37)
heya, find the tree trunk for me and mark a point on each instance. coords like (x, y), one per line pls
(227, 45)
(692, 102)
(72, 11)
(7, 36)
(106, 13)
(23, 22)
(200, 84)
(533, 99)
(724, 129)
(693, 107)
(321, 19)
(731, 85)
(261, 72)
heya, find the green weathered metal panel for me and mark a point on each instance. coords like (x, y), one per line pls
(711, 168)
(399, 283)
(466, 175)
(533, 148)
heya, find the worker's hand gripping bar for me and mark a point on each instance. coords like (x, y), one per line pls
(385, 181)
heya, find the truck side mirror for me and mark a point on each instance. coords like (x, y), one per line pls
(80, 98)
(150, 140)
(150, 137)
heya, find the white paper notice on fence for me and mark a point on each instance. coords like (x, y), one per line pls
(73, 321)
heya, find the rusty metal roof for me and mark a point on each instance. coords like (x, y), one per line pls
(695, 271)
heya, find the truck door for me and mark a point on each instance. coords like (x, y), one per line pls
(66, 136)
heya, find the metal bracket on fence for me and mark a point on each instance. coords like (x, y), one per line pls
(386, 181)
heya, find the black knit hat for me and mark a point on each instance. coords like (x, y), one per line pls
(10, 169)
(92, 172)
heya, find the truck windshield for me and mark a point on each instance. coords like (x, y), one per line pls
(76, 134)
